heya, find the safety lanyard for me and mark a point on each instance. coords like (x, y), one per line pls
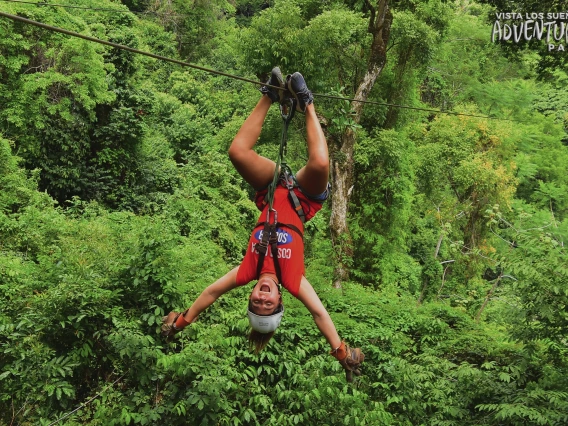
(269, 233)
(287, 113)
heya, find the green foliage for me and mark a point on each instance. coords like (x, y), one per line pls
(382, 200)
(118, 204)
(538, 264)
(194, 23)
(469, 66)
(461, 169)
(72, 111)
(282, 35)
(540, 158)
(211, 206)
(18, 190)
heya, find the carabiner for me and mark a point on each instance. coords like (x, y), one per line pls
(268, 215)
(287, 109)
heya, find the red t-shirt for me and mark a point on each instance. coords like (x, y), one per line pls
(290, 244)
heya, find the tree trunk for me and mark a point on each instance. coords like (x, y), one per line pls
(342, 181)
(342, 167)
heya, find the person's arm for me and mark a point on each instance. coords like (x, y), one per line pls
(308, 296)
(174, 321)
(350, 359)
(208, 296)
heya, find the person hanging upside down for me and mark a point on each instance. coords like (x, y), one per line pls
(279, 233)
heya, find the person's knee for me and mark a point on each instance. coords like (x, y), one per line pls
(319, 164)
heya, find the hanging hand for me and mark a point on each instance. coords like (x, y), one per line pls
(350, 360)
(168, 329)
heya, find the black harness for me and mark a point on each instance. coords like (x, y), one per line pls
(270, 239)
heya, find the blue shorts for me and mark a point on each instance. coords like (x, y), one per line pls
(320, 198)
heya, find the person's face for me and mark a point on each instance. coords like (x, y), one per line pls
(265, 297)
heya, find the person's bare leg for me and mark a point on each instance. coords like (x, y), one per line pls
(313, 177)
(257, 170)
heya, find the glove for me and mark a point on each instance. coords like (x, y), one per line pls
(168, 329)
(350, 360)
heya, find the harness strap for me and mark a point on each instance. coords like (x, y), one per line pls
(262, 247)
(270, 238)
(296, 204)
(274, 248)
(294, 200)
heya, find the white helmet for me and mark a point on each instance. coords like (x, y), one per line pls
(265, 323)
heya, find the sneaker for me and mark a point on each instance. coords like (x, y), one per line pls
(297, 86)
(276, 79)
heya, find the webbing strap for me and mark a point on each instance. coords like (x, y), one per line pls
(269, 238)
(297, 206)
(262, 247)
(274, 248)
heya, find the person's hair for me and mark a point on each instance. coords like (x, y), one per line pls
(258, 341)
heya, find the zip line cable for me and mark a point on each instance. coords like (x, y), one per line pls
(321, 95)
(212, 71)
(129, 49)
